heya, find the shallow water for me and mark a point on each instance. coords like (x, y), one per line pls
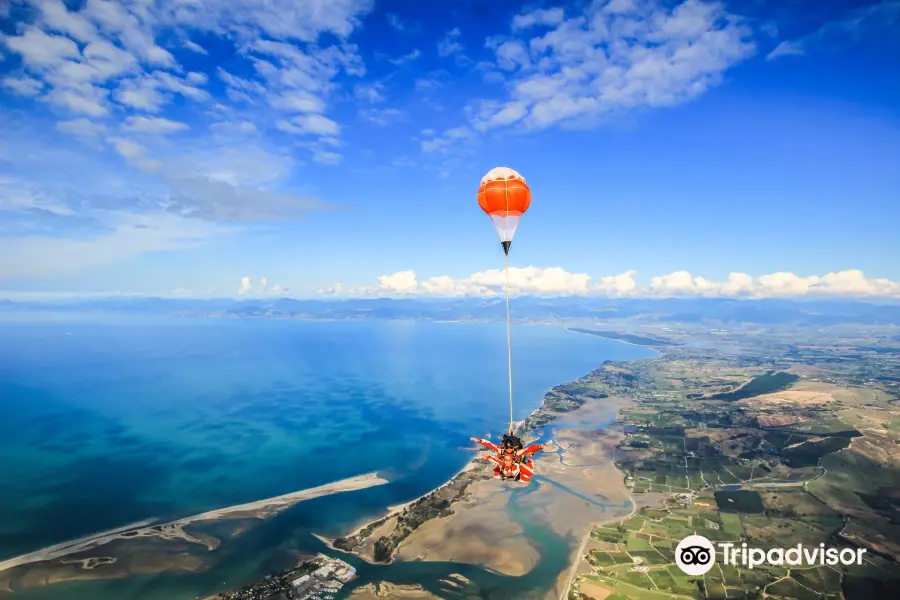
(110, 422)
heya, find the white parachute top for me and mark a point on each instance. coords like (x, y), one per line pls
(501, 173)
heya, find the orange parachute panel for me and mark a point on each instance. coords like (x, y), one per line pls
(504, 192)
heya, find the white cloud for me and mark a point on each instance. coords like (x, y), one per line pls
(118, 41)
(82, 99)
(246, 286)
(844, 283)
(102, 61)
(57, 17)
(851, 283)
(624, 284)
(194, 47)
(737, 284)
(197, 78)
(786, 48)
(154, 125)
(326, 157)
(681, 283)
(263, 289)
(299, 20)
(88, 57)
(447, 140)
(240, 88)
(142, 93)
(40, 50)
(535, 280)
(432, 81)
(297, 101)
(530, 280)
(186, 87)
(406, 58)
(23, 85)
(396, 23)
(135, 154)
(555, 281)
(580, 70)
(549, 16)
(382, 116)
(84, 129)
(370, 92)
(450, 44)
(331, 290)
(295, 80)
(129, 149)
(234, 128)
(402, 282)
(133, 26)
(310, 124)
(499, 116)
(445, 285)
(512, 54)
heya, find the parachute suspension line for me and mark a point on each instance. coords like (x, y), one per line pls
(509, 349)
(508, 326)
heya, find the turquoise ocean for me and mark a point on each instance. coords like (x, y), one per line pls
(109, 421)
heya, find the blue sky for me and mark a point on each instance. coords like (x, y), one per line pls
(176, 147)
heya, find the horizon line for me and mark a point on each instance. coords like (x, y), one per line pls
(112, 296)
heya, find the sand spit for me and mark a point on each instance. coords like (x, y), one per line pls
(72, 547)
(264, 508)
(174, 530)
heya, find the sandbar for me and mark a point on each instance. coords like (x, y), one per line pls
(174, 530)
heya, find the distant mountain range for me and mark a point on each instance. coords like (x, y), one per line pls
(683, 310)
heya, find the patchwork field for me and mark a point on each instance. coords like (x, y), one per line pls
(743, 453)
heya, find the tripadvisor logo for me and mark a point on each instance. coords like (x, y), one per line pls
(695, 555)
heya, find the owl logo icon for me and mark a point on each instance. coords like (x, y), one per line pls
(695, 555)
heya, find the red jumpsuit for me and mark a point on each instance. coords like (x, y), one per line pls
(521, 467)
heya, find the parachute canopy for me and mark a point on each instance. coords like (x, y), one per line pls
(505, 197)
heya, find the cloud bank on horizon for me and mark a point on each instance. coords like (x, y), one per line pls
(556, 282)
(152, 145)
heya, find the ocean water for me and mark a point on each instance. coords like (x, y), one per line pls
(106, 422)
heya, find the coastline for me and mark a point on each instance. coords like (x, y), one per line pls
(396, 509)
(565, 400)
(393, 511)
(651, 343)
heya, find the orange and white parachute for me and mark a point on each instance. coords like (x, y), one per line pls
(504, 196)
